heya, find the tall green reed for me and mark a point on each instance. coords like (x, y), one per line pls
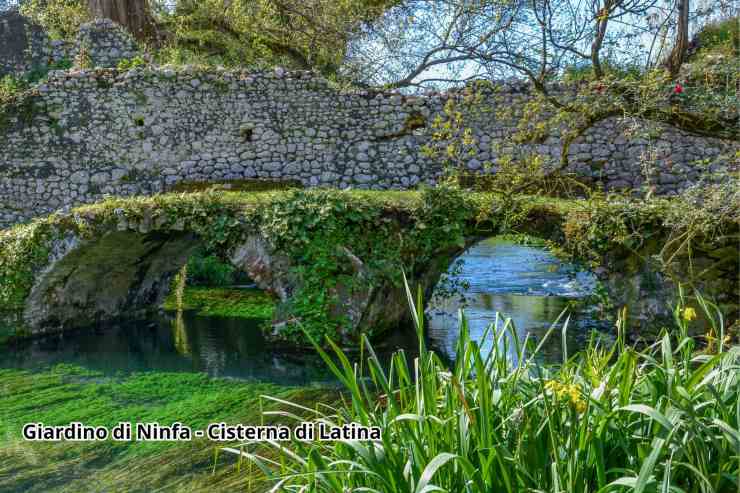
(664, 419)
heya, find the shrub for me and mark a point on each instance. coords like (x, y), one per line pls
(60, 18)
(10, 87)
(721, 33)
(206, 269)
(131, 63)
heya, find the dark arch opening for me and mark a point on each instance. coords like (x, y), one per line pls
(119, 273)
(101, 303)
(124, 274)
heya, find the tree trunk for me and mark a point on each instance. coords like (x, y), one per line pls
(602, 19)
(596, 48)
(134, 15)
(678, 54)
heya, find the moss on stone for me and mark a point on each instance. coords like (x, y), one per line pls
(243, 185)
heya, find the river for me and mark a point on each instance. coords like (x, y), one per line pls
(525, 283)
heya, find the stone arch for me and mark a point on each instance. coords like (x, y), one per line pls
(122, 274)
(105, 262)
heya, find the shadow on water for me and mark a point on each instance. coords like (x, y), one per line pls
(528, 284)
(220, 347)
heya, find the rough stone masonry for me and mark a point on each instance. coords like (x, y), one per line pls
(25, 46)
(87, 134)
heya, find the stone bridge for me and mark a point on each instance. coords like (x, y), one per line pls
(86, 134)
(117, 260)
(332, 258)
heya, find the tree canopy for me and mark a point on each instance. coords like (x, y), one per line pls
(668, 61)
(426, 43)
(305, 34)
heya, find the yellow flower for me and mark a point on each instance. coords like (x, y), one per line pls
(580, 407)
(567, 392)
(688, 314)
(574, 392)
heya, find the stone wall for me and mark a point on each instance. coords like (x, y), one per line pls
(89, 134)
(103, 43)
(24, 46)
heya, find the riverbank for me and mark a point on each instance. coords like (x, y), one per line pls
(251, 304)
(64, 394)
(170, 367)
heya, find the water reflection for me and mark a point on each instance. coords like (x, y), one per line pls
(525, 283)
(219, 347)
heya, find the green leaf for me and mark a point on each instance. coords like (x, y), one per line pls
(430, 470)
(651, 412)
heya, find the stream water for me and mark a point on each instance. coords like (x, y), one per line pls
(525, 283)
(220, 347)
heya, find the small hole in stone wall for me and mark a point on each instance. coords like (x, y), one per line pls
(414, 121)
(139, 121)
(246, 133)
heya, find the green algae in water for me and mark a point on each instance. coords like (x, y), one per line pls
(225, 302)
(67, 393)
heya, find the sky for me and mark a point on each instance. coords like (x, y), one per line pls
(412, 29)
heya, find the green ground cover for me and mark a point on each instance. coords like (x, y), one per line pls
(224, 302)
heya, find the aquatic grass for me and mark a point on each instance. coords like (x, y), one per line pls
(252, 304)
(607, 419)
(67, 393)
